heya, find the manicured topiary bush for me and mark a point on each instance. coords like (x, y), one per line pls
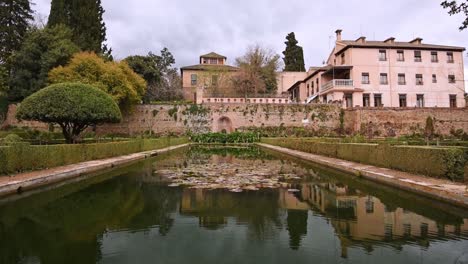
(72, 106)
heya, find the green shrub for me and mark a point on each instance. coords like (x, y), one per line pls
(11, 139)
(440, 162)
(24, 157)
(232, 138)
(73, 106)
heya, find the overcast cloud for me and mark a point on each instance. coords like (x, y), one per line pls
(190, 28)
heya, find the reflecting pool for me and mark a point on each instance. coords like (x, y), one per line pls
(131, 215)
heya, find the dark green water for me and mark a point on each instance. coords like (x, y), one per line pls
(130, 216)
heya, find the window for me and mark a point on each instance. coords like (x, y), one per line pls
(451, 78)
(349, 100)
(419, 79)
(400, 55)
(213, 61)
(382, 55)
(401, 79)
(214, 80)
(365, 78)
(424, 230)
(417, 56)
(434, 57)
(378, 100)
(402, 99)
(194, 78)
(366, 100)
(453, 100)
(450, 57)
(369, 205)
(407, 230)
(420, 100)
(343, 61)
(434, 78)
(383, 78)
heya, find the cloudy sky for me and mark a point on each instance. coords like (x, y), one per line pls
(190, 28)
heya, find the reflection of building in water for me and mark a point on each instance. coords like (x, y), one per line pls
(359, 219)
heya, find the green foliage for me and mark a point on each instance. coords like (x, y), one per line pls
(440, 162)
(115, 78)
(11, 139)
(42, 50)
(342, 128)
(232, 138)
(85, 18)
(195, 109)
(3, 107)
(163, 80)
(25, 157)
(173, 112)
(15, 16)
(73, 106)
(293, 55)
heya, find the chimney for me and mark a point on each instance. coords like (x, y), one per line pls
(416, 41)
(338, 34)
(390, 40)
(361, 39)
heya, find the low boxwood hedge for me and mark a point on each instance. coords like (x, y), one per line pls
(21, 157)
(440, 162)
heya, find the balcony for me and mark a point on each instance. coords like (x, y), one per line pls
(338, 83)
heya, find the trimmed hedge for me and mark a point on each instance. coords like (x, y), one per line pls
(439, 162)
(231, 138)
(21, 157)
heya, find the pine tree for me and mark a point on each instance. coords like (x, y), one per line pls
(85, 18)
(293, 55)
(15, 16)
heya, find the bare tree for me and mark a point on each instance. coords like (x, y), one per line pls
(258, 70)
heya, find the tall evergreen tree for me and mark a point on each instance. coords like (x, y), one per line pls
(58, 13)
(85, 18)
(293, 55)
(15, 16)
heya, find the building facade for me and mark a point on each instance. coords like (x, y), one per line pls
(387, 73)
(210, 77)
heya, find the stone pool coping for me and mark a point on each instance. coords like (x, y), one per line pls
(439, 189)
(32, 180)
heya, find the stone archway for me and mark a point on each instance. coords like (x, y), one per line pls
(224, 124)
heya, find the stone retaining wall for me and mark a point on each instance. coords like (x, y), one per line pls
(389, 122)
(178, 119)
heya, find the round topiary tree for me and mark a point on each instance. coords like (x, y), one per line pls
(73, 106)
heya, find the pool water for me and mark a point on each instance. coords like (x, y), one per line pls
(131, 215)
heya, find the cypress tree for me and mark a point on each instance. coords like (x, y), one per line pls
(293, 55)
(15, 16)
(85, 19)
(58, 13)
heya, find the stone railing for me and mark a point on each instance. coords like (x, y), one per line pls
(249, 100)
(337, 83)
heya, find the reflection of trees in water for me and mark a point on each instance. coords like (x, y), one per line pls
(259, 211)
(160, 202)
(68, 230)
(297, 227)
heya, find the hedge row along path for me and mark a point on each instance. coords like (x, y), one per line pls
(439, 189)
(32, 180)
